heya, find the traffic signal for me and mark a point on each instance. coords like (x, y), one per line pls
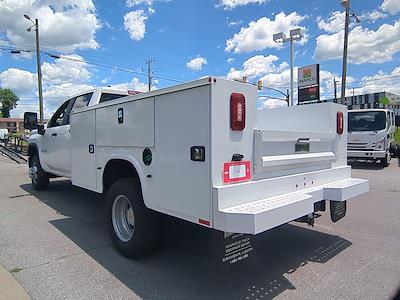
(259, 85)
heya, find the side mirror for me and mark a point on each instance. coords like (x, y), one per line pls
(30, 120)
(397, 121)
(40, 129)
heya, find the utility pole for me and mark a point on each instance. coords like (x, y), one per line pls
(149, 73)
(39, 65)
(334, 87)
(346, 4)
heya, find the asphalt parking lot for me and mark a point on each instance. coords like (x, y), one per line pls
(56, 244)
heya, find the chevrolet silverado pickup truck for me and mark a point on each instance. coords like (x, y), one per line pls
(201, 152)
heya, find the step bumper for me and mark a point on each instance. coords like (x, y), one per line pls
(264, 214)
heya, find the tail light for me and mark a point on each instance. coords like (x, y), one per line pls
(339, 122)
(238, 111)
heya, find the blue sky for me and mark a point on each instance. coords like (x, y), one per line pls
(190, 39)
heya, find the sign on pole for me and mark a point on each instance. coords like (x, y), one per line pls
(308, 84)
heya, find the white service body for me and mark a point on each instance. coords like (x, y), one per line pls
(284, 184)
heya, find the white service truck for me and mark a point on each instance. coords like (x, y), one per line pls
(371, 135)
(199, 151)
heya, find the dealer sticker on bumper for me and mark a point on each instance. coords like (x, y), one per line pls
(236, 171)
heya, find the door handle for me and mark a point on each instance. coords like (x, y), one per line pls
(54, 134)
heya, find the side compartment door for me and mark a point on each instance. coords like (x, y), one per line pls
(83, 127)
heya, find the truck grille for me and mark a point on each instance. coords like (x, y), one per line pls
(360, 146)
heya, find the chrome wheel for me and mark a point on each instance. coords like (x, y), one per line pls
(33, 172)
(123, 218)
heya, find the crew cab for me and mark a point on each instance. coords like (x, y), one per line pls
(371, 135)
(199, 151)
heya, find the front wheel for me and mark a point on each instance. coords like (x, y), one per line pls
(134, 229)
(385, 161)
(40, 179)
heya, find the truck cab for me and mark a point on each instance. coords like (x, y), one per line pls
(371, 135)
(54, 143)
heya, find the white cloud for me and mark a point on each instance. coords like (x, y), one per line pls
(134, 23)
(381, 81)
(372, 16)
(235, 23)
(65, 70)
(196, 64)
(365, 45)
(135, 84)
(21, 82)
(271, 103)
(391, 6)
(258, 34)
(254, 67)
(230, 60)
(334, 23)
(132, 3)
(64, 24)
(231, 4)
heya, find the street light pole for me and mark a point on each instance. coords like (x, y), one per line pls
(295, 35)
(291, 71)
(38, 63)
(346, 4)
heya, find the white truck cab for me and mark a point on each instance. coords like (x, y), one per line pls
(201, 152)
(371, 135)
(54, 145)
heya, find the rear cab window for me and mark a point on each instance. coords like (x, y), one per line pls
(109, 96)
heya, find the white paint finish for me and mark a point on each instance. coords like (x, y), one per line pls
(84, 173)
(179, 185)
(137, 128)
(62, 153)
(240, 193)
(226, 142)
(346, 189)
(261, 215)
(366, 154)
(55, 150)
(281, 160)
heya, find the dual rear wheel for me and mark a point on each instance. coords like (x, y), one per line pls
(134, 229)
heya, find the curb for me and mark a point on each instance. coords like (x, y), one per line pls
(10, 288)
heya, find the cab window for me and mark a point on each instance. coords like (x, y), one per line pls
(58, 118)
(82, 101)
(108, 97)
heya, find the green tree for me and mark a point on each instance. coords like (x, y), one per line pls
(8, 101)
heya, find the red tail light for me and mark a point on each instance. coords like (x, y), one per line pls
(238, 111)
(339, 122)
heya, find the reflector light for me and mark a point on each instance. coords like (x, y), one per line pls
(339, 122)
(238, 111)
(204, 222)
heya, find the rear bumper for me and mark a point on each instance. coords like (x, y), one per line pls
(366, 154)
(234, 214)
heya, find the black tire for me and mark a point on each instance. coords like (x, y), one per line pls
(393, 150)
(385, 161)
(40, 179)
(146, 228)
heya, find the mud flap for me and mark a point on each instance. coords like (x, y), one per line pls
(338, 210)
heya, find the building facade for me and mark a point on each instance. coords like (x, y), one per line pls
(373, 100)
(12, 124)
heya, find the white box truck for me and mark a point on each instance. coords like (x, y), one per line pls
(199, 151)
(371, 135)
